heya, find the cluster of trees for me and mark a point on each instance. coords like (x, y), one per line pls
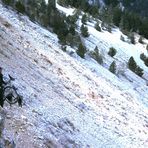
(48, 16)
(18, 5)
(112, 14)
(65, 27)
(132, 65)
(136, 6)
(81, 4)
(127, 21)
(112, 52)
(133, 22)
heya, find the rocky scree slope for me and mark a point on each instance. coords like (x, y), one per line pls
(65, 103)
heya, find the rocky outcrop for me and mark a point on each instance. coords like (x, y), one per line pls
(4, 142)
(2, 119)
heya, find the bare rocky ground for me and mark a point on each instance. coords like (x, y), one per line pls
(65, 104)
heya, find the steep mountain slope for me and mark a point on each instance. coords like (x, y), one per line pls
(68, 102)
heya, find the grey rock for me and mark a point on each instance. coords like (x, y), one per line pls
(2, 120)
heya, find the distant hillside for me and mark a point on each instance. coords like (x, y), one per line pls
(137, 6)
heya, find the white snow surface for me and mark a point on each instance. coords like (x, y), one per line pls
(70, 101)
(67, 11)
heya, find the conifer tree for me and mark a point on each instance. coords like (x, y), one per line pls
(81, 50)
(84, 19)
(69, 39)
(112, 52)
(141, 40)
(111, 2)
(146, 61)
(134, 67)
(142, 56)
(84, 31)
(97, 27)
(139, 71)
(107, 18)
(132, 64)
(117, 13)
(132, 38)
(72, 30)
(52, 3)
(112, 67)
(7, 2)
(96, 55)
(20, 7)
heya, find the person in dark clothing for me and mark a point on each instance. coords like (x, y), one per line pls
(1, 88)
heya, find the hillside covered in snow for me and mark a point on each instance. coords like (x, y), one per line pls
(69, 101)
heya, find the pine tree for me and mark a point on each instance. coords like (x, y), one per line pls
(97, 27)
(84, 19)
(72, 30)
(132, 38)
(107, 18)
(96, 55)
(112, 67)
(94, 10)
(84, 31)
(71, 19)
(7, 2)
(141, 40)
(111, 2)
(20, 7)
(112, 52)
(81, 50)
(146, 61)
(52, 3)
(139, 71)
(142, 56)
(124, 23)
(134, 67)
(132, 64)
(117, 13)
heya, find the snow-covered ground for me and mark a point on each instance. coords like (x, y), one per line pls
(71, 102)
(104, 40)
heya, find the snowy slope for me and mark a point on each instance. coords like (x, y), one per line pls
(104, 40)
(70, 102)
